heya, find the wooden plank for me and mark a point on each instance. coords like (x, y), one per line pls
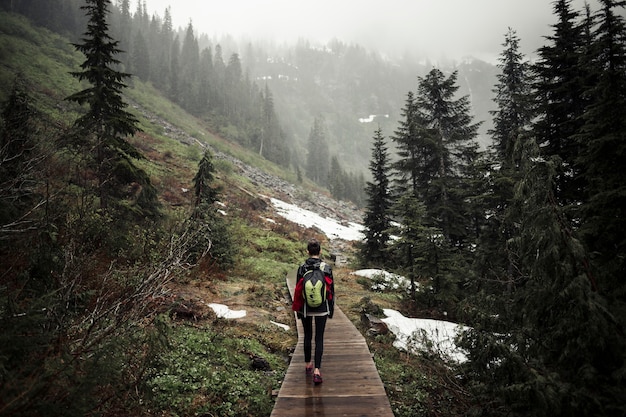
(352, 385)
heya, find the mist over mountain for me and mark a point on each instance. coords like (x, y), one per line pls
(355, 90)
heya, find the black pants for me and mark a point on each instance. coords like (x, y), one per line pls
(320, 325)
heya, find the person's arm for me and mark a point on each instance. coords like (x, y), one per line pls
(331, 302)
(298, 301)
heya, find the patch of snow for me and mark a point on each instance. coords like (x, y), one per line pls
(389, 280)
(282, 326)
(224, 312)
(332, 228)
(415, 335)
(371, 118)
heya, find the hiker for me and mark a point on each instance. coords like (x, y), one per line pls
(317, 301)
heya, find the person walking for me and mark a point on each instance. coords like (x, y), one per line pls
(314, 301)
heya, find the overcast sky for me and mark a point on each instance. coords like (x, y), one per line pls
(436, 28)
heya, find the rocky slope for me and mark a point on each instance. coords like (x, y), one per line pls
(315, 201)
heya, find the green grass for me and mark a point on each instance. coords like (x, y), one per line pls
(43, 59)
(207, 371)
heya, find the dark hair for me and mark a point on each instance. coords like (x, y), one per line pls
(313, 247)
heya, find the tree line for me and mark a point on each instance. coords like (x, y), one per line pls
(524, 242)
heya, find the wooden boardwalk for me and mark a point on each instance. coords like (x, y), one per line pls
(351, 387)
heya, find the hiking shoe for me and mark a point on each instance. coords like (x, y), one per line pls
(317, 379)
(308, 370)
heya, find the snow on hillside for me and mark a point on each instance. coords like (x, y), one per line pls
(332, 228)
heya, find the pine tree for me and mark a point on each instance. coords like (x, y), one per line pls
(513, 92)
(317, 155)
(451, 149)
(162, 47)
(415, 148)
(202, 181)
(603, 140)
(141, 57)
(512, 122)
(174, 92)
(19, 161)
(273, 144)
(377, 220)
(106, 119)
(213, 235)
(436, 148)
(418, 252)
(337, 179)
(189, 72)
(560, 84)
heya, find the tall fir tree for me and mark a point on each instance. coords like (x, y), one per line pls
(337, 179)
(415, 145)
(560, 85)
(106, 123)
(317, 156)
(512, 122)
(603, 140)
(19, 160)
(436, 147)
(377, 219)
(213, 235)
(452, 148)
(189, 72)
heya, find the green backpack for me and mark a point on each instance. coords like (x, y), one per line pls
(314, 289)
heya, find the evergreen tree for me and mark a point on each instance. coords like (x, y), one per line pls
(415, 148)
(603, 139)
(317, 155)
(174, 83)
(560, 84)
(213, 235)
(19, 161)
(233, 83)
(218, 96)
(512, 121)
(124, 31)
(106, 119)
(161, 46)
(418, 251)
(205, 80)
(189, 72)
(202, 182)
(377, 220)
(436, 149)
(512, 96)
(141, 57)
(336, 179)
(451, 148)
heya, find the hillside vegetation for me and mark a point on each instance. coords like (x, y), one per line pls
(109, 316)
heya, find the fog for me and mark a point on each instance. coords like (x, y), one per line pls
(422, 28)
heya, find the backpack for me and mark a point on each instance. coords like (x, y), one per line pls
(314, 286)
